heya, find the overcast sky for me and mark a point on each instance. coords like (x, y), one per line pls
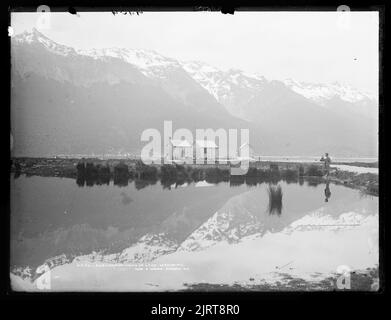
(305, 46)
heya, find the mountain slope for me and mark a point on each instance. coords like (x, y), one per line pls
(298, 123)
(233, 88)
(301, 118)
(71, 101)
(75, 103)
(337, 97)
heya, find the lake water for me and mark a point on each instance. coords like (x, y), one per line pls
(143, 237)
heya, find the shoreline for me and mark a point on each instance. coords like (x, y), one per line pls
(364, 280)
(259, 172)
(361, 280)
(126, 170)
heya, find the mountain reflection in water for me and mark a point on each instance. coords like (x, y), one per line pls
(206, 226)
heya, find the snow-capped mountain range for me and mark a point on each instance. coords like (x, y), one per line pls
(220, 84)
(322, 92)
(149, 62)
(203, 88)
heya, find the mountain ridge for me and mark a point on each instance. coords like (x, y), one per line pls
(145, 59)
(199, 94)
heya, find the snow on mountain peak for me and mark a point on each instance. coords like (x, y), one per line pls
(224, 86)
(194, 66)
(221, 83)
(35, 36)
(149, 62)
(321, 93)
(207, 76)
(31, 36)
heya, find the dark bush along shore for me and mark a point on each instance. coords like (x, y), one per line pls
(96, 171)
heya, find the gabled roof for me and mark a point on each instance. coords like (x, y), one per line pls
(180, 143)
(206, 144)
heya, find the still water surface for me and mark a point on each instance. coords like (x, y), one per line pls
(161, 238)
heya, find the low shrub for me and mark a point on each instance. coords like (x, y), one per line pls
(314, 171)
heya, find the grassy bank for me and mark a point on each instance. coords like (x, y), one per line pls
(366, 182)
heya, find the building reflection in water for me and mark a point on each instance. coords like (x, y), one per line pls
(275, 199)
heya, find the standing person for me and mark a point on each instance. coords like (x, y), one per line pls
(326, 159)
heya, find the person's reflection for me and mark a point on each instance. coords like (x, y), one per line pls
(327, 191)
